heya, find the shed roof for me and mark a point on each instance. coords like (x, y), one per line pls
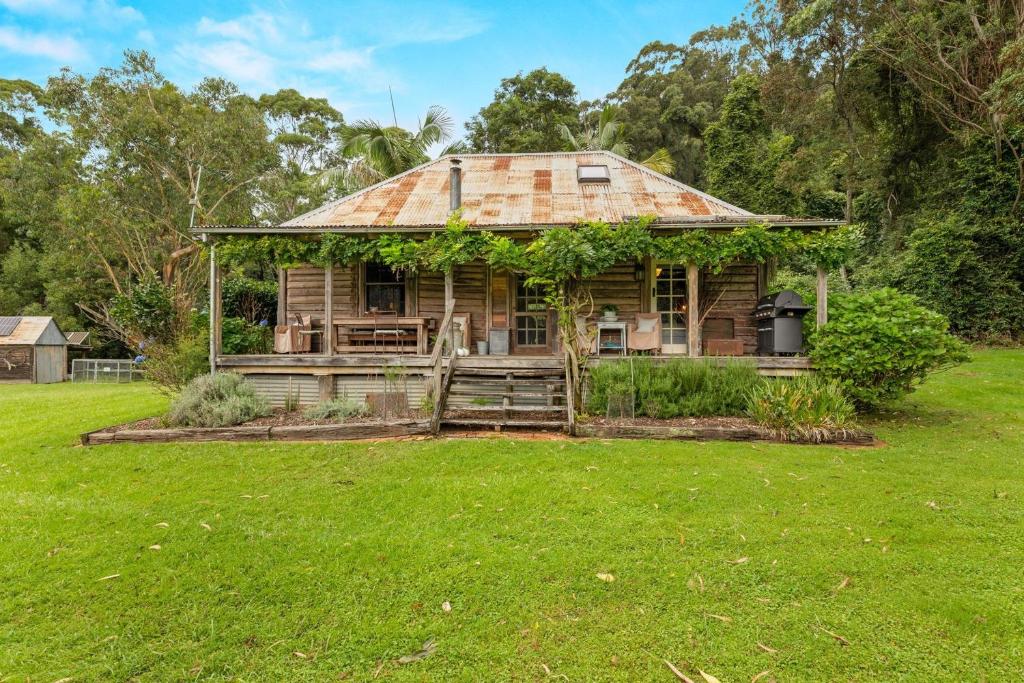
(519, 190)
(32, 330)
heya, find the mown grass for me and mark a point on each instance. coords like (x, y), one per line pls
(344, 553)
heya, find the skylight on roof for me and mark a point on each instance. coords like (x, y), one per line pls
(593, 174)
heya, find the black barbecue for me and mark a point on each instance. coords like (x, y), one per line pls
(779, 319)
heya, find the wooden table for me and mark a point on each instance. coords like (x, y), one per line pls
(360, 329)
(619, 326)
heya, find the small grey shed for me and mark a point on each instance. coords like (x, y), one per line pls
(32, 349)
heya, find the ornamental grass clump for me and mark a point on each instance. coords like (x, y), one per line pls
(336, 410)
(808, 407)
(221, 400)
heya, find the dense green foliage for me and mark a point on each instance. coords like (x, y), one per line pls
(219, 400)
(878, 345)
(809, 407)
(676, 388)
(527, 115)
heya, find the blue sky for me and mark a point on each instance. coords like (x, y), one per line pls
(438, 52)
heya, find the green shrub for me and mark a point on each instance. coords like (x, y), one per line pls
(336, 409)
(146, 309)
(674, 388)
(249, 298)
(808, 406)
(879, 344)
(173, 365)
(239, 336)
(220, 400)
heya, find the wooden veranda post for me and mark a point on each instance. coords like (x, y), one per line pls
(692, 311)
(282, 296)
(822, 295)
(449, 306)
(328, 335)
(215, 309)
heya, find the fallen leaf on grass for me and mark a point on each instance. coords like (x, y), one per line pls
(206, 526)
(769, 650)
(107, 578)
(246, 495)
(839, 638)
(842, 584)
(608, 578)
(162, 525)
(708, 677)
(300, 655)
(155, 546)
(759, 676)
(682, 539)
(428, 649)
(727, 620)
(739, 561)
(547, 670)
(678, 674)
(932, 504)
(446, 607)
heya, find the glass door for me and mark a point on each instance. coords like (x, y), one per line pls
(669, 299)
(531, 318)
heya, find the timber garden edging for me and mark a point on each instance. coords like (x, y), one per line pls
(376, 430)
(329, 432)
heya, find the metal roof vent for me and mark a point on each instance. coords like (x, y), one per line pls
(593, 174)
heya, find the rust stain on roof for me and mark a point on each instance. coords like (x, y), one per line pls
(518, 189)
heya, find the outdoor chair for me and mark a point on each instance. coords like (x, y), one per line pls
(645, 335)
(385, 328)
(295, 337)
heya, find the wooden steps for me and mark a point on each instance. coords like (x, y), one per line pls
(499, 392)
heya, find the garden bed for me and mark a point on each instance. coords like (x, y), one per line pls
(711, 429)
(280, 426)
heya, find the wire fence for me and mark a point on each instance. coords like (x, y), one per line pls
(104, 370)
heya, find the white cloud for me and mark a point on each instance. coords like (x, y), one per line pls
(58, 48)
(340, 60)
(67, 7)
(146, 37)
(249, 27)
(234, 60)
(108, 12)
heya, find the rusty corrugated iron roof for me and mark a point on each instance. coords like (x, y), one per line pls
(519, 189)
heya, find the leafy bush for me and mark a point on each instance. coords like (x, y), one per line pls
(879, 344)
(146, 309)
(674, 388)
(239, 336)
(220, 400)
(334, 410)
(808, 406)
(249, 298)
(173, 365)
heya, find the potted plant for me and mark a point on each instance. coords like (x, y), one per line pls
(610, 313)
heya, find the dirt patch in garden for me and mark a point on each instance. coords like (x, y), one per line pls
(278, 418)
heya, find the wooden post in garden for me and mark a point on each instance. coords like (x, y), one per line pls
(215, 309)
(328, 335)
(692, 311)
(822, 295)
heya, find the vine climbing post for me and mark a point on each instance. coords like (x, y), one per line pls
(821, 290)
(692, 310)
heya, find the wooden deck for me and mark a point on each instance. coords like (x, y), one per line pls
(363, 362)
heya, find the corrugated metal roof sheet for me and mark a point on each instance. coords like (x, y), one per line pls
(519, 189)
(31, 330)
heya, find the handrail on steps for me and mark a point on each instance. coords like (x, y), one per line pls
(442, 379)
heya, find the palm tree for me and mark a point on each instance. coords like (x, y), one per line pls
(373, 152)
(609, 135)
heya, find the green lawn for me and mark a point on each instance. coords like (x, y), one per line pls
(310, 562)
